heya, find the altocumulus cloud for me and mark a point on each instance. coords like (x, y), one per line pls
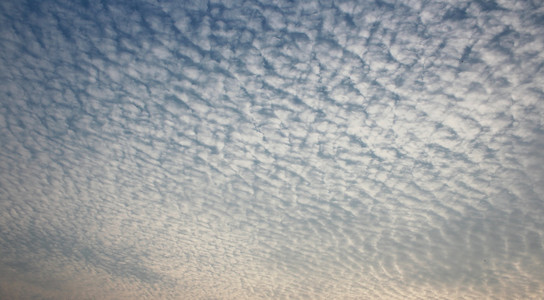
(271, 150)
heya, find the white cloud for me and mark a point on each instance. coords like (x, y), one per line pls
(321, 150)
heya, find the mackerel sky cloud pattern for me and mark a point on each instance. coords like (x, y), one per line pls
(271, 150)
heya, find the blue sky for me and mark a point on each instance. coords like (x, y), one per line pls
(271, 150)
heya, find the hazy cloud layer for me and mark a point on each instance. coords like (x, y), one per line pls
(286, 150)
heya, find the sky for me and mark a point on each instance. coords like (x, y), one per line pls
(371, 149)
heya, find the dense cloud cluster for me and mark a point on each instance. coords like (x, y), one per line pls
(283, 150)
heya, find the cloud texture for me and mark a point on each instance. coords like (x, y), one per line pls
(286, 150)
